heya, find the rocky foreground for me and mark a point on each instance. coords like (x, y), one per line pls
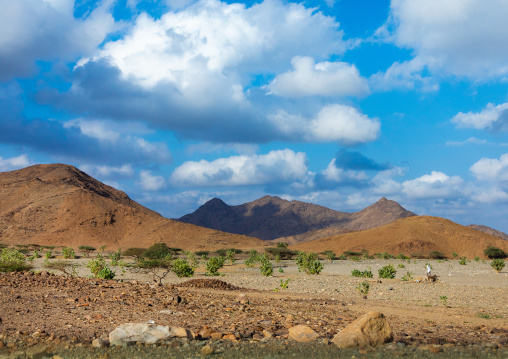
(43, 311)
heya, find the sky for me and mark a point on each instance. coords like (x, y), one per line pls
(332, 102)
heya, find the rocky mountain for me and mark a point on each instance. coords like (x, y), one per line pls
(60, 205)
(416, 234)
(489, 230)
(270, 217)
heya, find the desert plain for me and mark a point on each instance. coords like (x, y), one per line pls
(464, 313)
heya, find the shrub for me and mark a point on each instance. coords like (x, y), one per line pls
(159, 268)
(66, 267)
(158, 251)
(309, 263)
(87, 250)
(407, 277)
(134, 252)
(436, 255)
(401, 265)
(230, 256)
(192, 259)
(476, 259)
(352, 253)
(202, 253)
(355, 259)
(498, 264)
(213, 265)
(462, 261)
(253, 258)
(330, 255)
(364, 288)
(384, 255)
(401, 256)
(115, 257)
(99, 268)
(282, 245)
(3, 245)
(455, 255)
(387, 272)
(494, 253)
(417, 255)
(68, 253)
(364, 274)
(11, 260)
(283, 252)
(182, 268)
(221, 252)
(266, 268)
(48, 255)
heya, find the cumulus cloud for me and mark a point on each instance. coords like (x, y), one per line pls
(150, 182)
(493, 118)
(491, 169)
(123, 171)
(337, 174)
(274, 167)
(433, 185)
(46, 31)
(462, 38)
(321, 79)
(333, 123)
(14, 163)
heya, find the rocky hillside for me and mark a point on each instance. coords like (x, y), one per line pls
(417, 234)
(270, 217)
(60, 205)
(489, 230)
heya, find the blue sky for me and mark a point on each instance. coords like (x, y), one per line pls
(337, 103)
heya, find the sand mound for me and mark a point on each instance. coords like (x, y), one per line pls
(418, 234)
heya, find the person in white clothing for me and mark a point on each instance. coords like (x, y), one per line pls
(428, 270)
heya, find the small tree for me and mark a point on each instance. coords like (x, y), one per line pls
(213, 265)
(158, 251)
(330, 255)
(99, 268)
(66, 267)
(230, 256)
(309, 263)
(387, 272)
(182, 268)
(158, 268)
(494, 253)
(68, 253)
(266, 267)
(87, 250)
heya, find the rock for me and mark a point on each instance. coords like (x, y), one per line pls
(369, 330)
(231, 337)
(36, 352)
(99, 343)
(242, 299)
(146, 333)
(205, 333)
(302, 333)
(216, 335)
(207, 350)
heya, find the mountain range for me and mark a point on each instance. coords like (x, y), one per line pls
(269, 218)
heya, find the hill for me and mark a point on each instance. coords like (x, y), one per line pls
(270, 217)
(489, 230)
(60, 205)
(418, 234)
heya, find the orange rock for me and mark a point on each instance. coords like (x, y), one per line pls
(369, 330)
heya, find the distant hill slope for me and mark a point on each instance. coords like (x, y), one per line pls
(270, 217)
(489, 230)
(418, 234)
(60, 205)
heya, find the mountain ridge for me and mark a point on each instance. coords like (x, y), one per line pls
(270, 218)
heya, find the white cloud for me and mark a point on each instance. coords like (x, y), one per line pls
(491, 169)
(470, 140)
(108, 171)
(334, 174)
(14, 163)
(339, 123)
(492, 118)
(151, 183)
(321, 79)
(434, 185)
(464, 38)
(274, 167)
(490, 195)
(47, 30)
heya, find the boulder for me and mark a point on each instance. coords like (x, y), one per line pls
(369, 330)
(302, 333)
(146, 333)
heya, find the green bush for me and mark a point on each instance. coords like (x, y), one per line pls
(330, 255)
(455, 255)
(462, 261)
(68, 253)
(87, 249)
(308, 263)
(66, 267)
(115, 257)
(99, 268)
(283, 252)
(214, 264)
(401, 265)
(494, 253)
(12, 260)
(384, 255)
(230, 256)
(202, 253)
(407, 277)
(266, 268)
(498, 264)
(282, 245)
(387, 272)
(364, 288)
(182, 268)
(253, 258)
(352, 253)
(364, 274)
(48, 255)
(221, 252)
(158, 251)
(134, 252)
(401, 256)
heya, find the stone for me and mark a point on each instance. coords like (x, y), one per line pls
(36, 352)
(205, 333)
(302, 333)
(216, 335)
(242, 299)
(99, 343)
(369, 330)
(207, 350)
(230, 337)
(146, 333)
